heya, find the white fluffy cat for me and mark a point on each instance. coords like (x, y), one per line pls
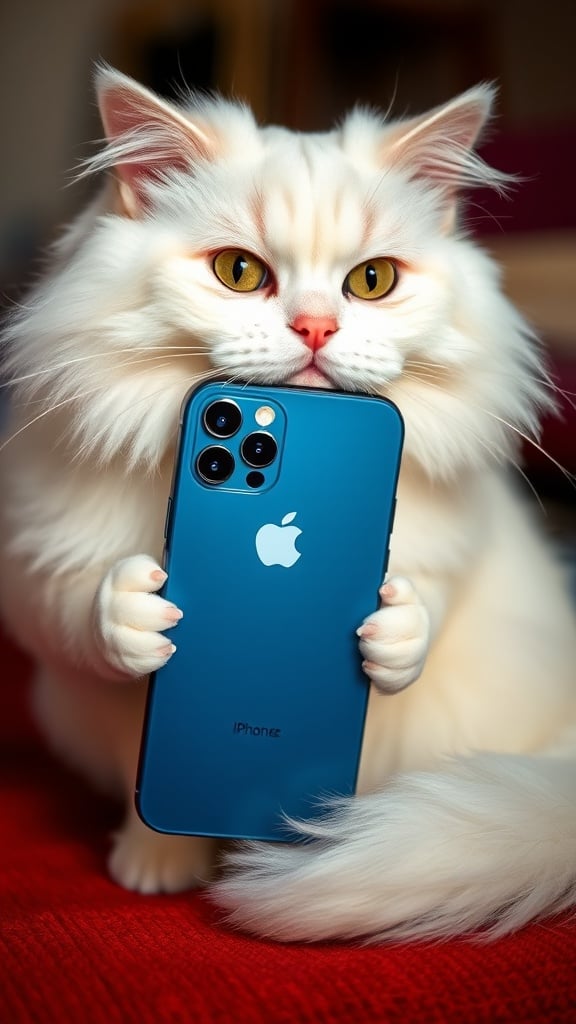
(468, 774)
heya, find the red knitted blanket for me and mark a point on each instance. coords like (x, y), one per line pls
(76, 948)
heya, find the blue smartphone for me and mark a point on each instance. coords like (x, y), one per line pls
(277, 539)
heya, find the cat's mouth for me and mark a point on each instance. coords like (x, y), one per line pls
(311, 377)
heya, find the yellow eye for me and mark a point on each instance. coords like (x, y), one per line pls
(372, 279)
(239, 270)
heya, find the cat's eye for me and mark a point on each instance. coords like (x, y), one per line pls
(239, 270)
(372, 279)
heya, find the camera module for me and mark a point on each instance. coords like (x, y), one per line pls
(215, 464)
(258, 449)
(223, 418)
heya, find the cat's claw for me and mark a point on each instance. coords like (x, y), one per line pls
(129, 617)
(394, 640)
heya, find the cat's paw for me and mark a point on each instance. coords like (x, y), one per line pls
(129, 617)
(151, 862)
(394, 640)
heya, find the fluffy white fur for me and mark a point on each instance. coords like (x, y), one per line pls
(468, 776)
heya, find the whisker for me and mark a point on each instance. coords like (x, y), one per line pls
(427, 370)
(553, 386)
(177, 349)
(83, 394)
(427, 363)
(95, 438)
(570, 477)
(545, 382)
(195, 379)
(127, 362)
(492, 448)
(51, 409)
(431, 364)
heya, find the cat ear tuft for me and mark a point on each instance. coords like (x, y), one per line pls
(438, 147)
(147, 137)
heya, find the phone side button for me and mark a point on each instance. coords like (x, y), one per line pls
(167, 520)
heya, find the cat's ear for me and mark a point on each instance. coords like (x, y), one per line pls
(438, 147)
(146, 137)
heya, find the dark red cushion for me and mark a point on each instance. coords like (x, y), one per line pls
(76, 949)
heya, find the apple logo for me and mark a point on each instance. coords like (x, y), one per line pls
(276, 544)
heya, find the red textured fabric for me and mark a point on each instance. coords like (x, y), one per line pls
(76, 948)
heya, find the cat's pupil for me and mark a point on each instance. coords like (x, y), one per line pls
(238, 268)
(371, 278)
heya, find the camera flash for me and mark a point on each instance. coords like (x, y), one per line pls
(265, 415)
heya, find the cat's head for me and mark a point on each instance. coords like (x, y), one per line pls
(270, 256)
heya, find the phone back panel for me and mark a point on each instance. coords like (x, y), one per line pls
(259, 714)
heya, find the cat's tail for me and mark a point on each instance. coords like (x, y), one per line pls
(486, 842)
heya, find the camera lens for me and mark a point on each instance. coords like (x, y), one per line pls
(259, 449)
(223, 418)
(215, 464)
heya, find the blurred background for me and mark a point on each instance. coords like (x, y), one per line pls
(302, 63)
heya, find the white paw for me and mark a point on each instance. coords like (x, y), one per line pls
(151, 862)
(129, 617)
(394, 640)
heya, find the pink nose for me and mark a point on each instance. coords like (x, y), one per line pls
(315, 330)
